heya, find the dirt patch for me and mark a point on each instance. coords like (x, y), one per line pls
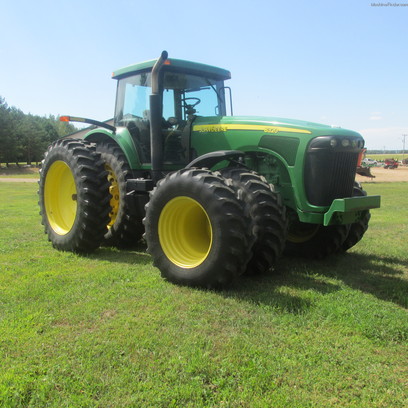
(385, 175)
(14, 170)
(17, 180)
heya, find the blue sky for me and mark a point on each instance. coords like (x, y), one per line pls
(339, 62)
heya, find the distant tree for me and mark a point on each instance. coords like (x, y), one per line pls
(25, 137)
(8, 142)
(33, 138)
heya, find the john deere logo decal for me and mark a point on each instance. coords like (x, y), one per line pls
(210, 128)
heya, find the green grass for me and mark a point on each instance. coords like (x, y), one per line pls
(381, 156)
(106, 331)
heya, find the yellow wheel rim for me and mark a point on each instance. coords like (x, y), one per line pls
(185, 232)
(114, 190)
(60, 197)
(300, 233)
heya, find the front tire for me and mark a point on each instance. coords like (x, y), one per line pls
(357, 229)
(314, 240)
(196, 230)
(268, 225)
(73, 196)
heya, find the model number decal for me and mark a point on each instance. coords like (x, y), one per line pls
(271, 130)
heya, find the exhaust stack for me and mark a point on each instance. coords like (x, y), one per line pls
(156, 142)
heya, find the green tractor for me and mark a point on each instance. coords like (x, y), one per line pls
(214, 195)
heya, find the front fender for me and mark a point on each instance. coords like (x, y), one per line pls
(209, 160)
(345, 210)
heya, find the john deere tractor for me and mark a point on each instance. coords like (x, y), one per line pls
(215, 195)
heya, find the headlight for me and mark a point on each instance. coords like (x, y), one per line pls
(336, 143)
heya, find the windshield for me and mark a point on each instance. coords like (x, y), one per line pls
(183, 95)
(183, 92)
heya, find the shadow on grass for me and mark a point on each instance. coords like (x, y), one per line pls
(134, 256)
(278, 288)
(378, 276)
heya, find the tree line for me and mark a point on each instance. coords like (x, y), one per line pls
(25, 137)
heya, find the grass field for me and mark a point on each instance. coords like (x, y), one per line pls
(106, 331)
(382, 157)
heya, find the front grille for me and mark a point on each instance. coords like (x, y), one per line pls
(329, 174)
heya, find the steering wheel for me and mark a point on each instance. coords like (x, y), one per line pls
(189, 108)
(192, 105)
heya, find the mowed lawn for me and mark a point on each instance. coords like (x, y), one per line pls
(106, 331)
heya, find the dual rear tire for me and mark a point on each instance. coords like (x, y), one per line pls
(73, 199)
(82, 197)
(125, 228)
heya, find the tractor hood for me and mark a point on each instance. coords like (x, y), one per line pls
(286, 139)
(267, 125)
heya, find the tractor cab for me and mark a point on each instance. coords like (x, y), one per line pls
(185, 90)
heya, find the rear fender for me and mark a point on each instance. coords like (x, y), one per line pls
(122, 138)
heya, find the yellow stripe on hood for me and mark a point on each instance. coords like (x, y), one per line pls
(266, 129)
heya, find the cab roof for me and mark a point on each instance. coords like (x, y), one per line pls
(176, 65)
